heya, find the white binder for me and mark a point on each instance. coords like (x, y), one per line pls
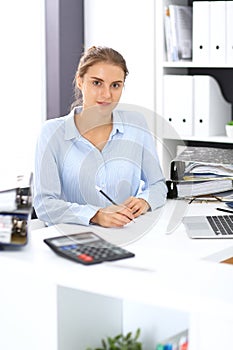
(211, 110)
(201, 32)
(178, 106)
(229, 32)
(217, 32)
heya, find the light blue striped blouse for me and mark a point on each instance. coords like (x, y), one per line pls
(68, 167)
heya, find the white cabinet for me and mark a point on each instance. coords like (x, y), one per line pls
(85, 318)
(160, 304)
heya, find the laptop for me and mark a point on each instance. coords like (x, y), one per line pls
(220, 226)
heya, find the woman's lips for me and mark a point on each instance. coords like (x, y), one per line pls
(104, 103)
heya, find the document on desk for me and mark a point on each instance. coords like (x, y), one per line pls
(131, 232)
(121, 236)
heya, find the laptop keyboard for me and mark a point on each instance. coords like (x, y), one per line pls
(221, 224)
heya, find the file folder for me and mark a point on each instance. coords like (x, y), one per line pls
(181, 30)
(202, 161)
(211, 110)
(229, 32)
(178, 105)
(201, 32)
(217, 32)
(15, 212)
(185, 189)
(171, 51)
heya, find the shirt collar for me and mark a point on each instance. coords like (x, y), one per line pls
(72, 132)
(70, 128)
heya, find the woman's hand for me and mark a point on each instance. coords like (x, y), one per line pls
(113, 216)
(138, 206)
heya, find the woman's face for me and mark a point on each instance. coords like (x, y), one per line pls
(102, 86)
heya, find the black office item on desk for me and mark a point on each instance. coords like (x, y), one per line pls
(86, 248)
(171, 189)
(15, 212)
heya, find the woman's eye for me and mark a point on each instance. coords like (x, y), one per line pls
(96, 83)
(116, 85)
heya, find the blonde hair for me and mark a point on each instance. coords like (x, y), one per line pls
(93, 55)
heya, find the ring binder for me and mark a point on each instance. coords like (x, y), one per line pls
(201, 32)
(217, 32)
(15, 213)
(211, 110)
(178, 105)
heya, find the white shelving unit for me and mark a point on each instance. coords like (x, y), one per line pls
(168, 146)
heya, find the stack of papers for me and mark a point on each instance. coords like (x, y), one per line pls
(198, 188)
(205, 162)
(202, 170)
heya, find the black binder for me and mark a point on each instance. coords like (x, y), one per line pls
(219, 161)
(15, 214)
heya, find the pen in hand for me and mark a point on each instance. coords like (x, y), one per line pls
(225, 210)
(106, 196)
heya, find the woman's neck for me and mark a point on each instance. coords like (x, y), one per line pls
(91, 119)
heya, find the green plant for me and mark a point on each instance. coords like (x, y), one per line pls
(121, 342)
(230, 122)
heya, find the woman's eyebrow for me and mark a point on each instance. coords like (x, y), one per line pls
(96, 78)
(118, 81)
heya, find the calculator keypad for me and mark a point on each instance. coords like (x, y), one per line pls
(95, 252)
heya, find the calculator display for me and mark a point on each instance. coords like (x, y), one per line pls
(81, 238)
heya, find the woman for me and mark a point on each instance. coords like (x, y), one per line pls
(97, 146)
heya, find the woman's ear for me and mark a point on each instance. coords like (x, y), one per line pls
(79, 82)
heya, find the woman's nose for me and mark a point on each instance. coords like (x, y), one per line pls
(106, 92)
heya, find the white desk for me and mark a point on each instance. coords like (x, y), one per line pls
(169, 274)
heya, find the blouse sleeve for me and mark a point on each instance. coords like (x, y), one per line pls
(48, 202)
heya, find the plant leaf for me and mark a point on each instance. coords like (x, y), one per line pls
(104, 344)
(138, 331)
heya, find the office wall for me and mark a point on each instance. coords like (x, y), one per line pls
(127, 26)
(22, 82)
(64, 45)
(29, 72)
